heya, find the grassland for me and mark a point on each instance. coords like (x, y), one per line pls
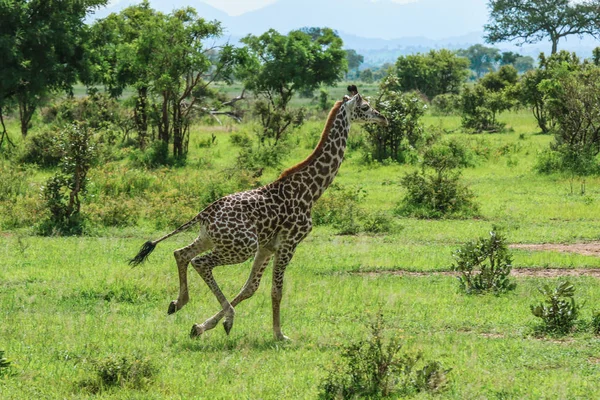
(66, 303)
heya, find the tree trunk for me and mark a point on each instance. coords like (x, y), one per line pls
(140, 115)
(177, 130)
(554, 44)
(163, 125)
(26, 110)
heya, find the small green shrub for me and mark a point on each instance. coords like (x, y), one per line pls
(42, 148)
(559, 311)
(64, 191)
(135, 372)
(14, 181)
(4, 364)
(339, 207)
(596, 322)
(377, 222)
(375, 368)
(155, 156)
(446, 103)
(439, 193)
(484, 265)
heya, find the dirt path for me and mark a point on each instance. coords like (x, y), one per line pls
(586, 249)
(518, 272)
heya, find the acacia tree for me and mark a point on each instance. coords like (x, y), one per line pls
(530, 21)
(354, 61)
(277, 66)
(42, 47)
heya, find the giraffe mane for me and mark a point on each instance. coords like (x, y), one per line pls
(316, 151)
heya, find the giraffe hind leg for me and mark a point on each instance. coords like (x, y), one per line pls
(204, 265)
(183, 257)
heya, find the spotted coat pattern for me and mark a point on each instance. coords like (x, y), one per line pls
(268, 222)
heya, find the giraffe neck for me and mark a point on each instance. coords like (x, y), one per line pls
(320, 170)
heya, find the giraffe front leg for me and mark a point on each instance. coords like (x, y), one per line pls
(282, 259)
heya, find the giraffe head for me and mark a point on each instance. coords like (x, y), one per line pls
(360, 110)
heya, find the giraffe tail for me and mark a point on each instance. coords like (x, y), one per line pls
(149, 246)
(143, 254)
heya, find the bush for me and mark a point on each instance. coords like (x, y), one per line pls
(62, 193)
(596, 322)
(439, 194)
(42, 148)
(4, 364)
(484, 265)
(374, 368)
(446, 104)
(480, 107)
(13, 181)
(559, 311)
(339, 207)
(404, 132)
(155, 156)
(121, 371)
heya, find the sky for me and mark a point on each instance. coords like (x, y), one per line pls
(239, 7)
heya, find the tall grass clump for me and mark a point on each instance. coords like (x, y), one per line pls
(484, 265)
(131, 372)
(4, 364)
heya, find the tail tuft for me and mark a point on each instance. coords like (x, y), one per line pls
(143, 254)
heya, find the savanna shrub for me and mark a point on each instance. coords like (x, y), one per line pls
(14, 181)
(339, 207)
(404, 132)
(375, 368)
(559, 311)
(446, 103)
(484, 265)
(4, 364)
(42, 148)
(438, 194)
(596, 322)
(377, 222)
(135, 372)
(154, 156)
(480, 106)
(62, 193)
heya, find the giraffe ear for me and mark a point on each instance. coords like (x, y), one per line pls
(353, 90)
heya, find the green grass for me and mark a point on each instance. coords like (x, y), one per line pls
(66, 303)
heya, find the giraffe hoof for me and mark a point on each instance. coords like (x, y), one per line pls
(197, 330)
(228, 324)
(172, 308)
(282, 338)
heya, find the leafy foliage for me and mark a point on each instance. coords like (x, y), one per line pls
(276, 66)
(482, 58)
(434, 73)
(492, 95)
(438, 194)
(62, 192)
(4, 364)
(374, 368)
(484, 265)
(42, 47)
(121, 371)
(404, 133)
(573, 97)
(559, 311)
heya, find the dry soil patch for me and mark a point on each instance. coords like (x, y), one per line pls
(586, 249)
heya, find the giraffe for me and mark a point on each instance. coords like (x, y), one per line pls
(268, 222)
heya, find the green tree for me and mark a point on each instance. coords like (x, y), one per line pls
(437, 72)
(530, 21)
(119, 54)
(277, 66)
(165, 58)
(482, 58)
(42, 47)
(529, 92)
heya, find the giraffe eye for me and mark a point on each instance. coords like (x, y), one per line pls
(365, 108)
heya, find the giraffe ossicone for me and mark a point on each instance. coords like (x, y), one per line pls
(267, 223)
